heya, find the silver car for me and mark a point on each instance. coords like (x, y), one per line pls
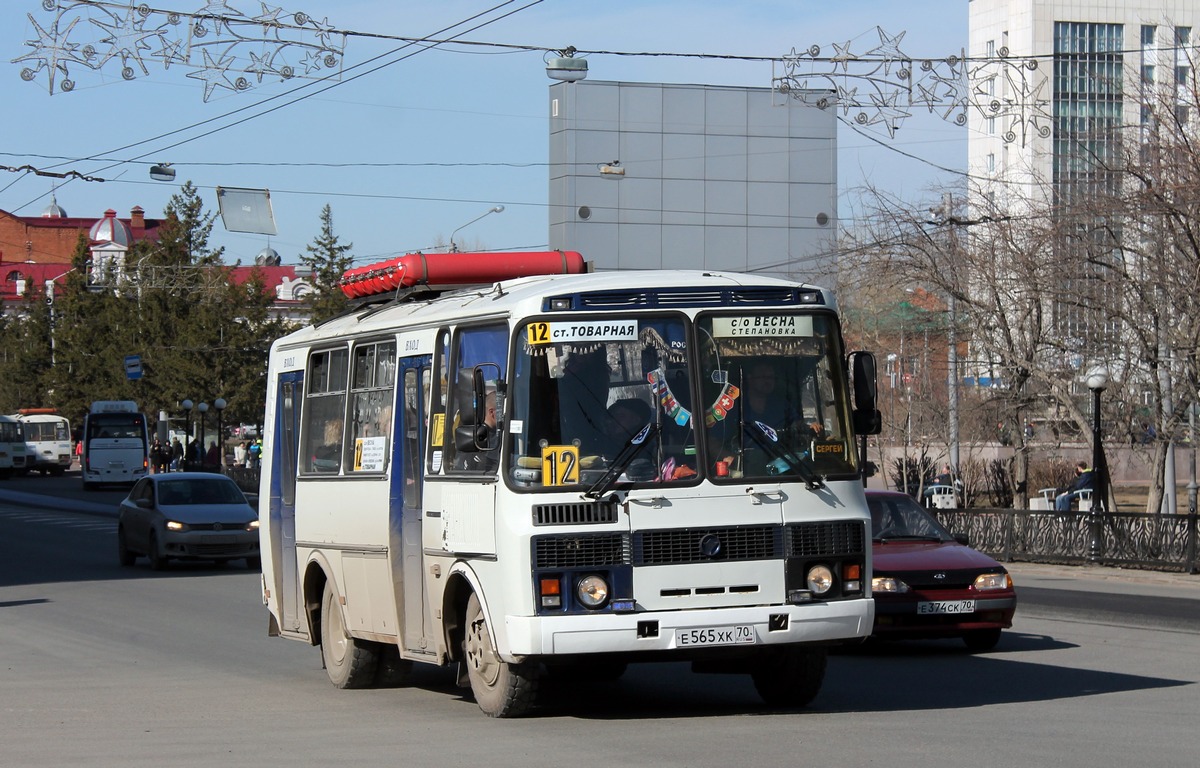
(187, 516)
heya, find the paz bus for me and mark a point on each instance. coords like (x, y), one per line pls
(557, 472)
(116, 444)
(47, 440)
(12, 447)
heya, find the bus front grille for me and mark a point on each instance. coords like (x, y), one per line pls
(845, 537)
(698, 545)
(590, 550)
(580, 513)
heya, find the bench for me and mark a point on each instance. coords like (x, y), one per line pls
(1045, 500)
(941, 497)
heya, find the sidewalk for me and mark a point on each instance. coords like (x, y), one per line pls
(1091, 577)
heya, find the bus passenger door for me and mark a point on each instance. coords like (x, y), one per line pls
(408, 462)
(283, 499)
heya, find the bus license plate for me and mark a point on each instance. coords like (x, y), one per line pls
(704, 636)
(946, 606)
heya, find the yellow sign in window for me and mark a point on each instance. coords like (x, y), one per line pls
(560, 465)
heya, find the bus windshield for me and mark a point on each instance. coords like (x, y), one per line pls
(773, 396)
(116, 426)
(602, 401)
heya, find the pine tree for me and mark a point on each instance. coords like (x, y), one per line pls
(328, 260)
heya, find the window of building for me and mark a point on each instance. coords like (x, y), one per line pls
(1148, 31)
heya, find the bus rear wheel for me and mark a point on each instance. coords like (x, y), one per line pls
(349, 662)
(790, 677)
(501, 689)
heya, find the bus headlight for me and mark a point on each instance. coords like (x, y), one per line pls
(820, 580)
(592, 591)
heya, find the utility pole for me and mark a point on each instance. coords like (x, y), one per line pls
(947, 219)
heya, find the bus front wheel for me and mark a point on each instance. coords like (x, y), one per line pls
(349, 662)
(790, 677)
(501, 689)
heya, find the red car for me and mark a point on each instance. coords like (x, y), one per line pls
(927, 583)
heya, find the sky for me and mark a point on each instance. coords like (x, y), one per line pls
(407, 142)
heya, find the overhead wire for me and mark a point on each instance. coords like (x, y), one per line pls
(329, 86)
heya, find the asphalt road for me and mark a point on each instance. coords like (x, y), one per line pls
(102, 665)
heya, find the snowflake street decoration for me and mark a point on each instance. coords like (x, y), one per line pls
(883, 86)
(223, 46)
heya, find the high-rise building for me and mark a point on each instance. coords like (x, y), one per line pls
(1056, 79)
(1063, 90)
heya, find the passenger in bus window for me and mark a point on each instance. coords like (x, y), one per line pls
(627, 416)
(487, 460)
(763, 403)
(327, 457)
(583, 399)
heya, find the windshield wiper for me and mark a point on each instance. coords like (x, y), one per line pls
(766, 438)
(908, 537)
(623, 459)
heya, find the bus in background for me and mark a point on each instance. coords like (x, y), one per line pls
(12, 447)
(116, 445)
(47, 440)
(563, 473)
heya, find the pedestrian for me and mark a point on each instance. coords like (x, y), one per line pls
(255, 451)
(240, 454)
(1085, 481)
(176, 454)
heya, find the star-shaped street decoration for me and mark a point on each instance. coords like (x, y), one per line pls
(52, 52)
(311, 61)
(887, 112)
(171, 52)
(889, 49)
(268, 18)
(323, 30)
(260, 65)
(843, 57)
(213, 74)
(127, 39)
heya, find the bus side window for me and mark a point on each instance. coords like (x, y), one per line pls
(484, 348)
(324, 411)
(437, 407)
(372, 392)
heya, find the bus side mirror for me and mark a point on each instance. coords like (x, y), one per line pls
(867, 420)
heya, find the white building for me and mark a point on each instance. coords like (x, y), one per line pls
(1054, 75)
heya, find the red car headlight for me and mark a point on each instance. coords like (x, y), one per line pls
(991, 582)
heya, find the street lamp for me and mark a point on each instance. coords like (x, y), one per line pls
(203, 408)
(220, 404)
(1097, 380)
(493, 209)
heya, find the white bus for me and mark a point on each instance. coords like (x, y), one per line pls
(12, 447)
(116, 445)
(47, 440)
(565, 474)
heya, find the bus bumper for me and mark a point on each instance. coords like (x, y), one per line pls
(686, 631)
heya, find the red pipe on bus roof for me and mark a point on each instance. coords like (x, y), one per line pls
(449, 269)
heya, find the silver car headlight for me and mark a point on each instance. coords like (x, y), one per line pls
(174, 525)
(889, 585)
(990, 582)
(592, 591)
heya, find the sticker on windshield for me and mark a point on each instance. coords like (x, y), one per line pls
(592, 330)
(762, 325)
